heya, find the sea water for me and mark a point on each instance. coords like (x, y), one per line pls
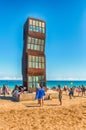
(11, 83)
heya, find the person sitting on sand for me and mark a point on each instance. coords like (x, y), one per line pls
(0, 90)
(40, 93)
(8, 90)
(21, 90)
(15, 92)
(4, 90)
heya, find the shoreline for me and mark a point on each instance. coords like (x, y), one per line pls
(50, 83)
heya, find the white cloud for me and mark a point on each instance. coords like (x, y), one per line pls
(63, 78)
(10, 78)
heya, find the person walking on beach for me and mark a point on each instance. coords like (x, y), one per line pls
(60, 94)
(83, 90)
(37, 91)
(40, 93)
(66, 89)
(79, 90)
(71, 93)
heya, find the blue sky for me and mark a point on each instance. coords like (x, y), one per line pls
(65, 36)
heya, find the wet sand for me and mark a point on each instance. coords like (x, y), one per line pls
(27, 115)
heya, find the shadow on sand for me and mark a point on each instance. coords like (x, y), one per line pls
(37, 105)
(31, 105)
(8, 98)
(52, 105)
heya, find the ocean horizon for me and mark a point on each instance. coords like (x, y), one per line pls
(50, 83)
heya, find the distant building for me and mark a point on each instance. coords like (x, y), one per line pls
(33, 59)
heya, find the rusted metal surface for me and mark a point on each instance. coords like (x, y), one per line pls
(26, 71)
(36, 34)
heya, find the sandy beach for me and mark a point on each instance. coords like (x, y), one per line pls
(27, 115)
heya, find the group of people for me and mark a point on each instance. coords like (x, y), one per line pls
(5, 90)
(40, 93)
(17, 91)
(70, 91)
(79, 90)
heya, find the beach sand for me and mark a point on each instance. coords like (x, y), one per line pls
(27, 115)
